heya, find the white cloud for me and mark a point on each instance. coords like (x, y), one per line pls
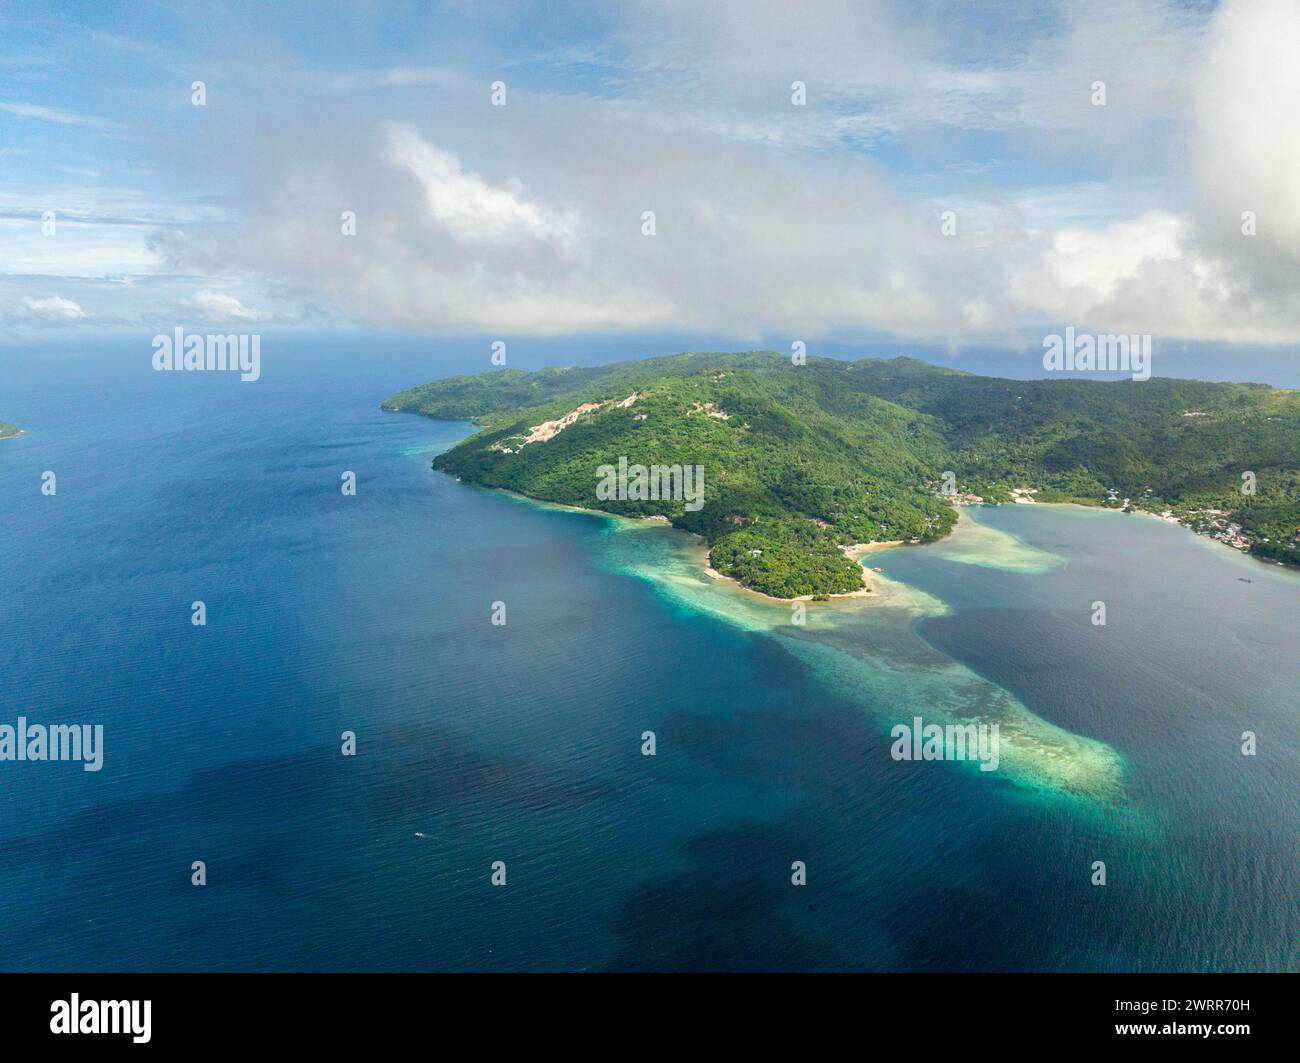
(51, 310)
(1247, 147)
(1148, 275)
(331, 81)
(216, 306)
(98, 230)
(49, 114)
(471, 209)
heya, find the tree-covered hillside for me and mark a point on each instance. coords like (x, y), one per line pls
(799, 460)
(8, 430)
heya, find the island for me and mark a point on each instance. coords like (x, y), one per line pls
(9, 431)
(798, 466)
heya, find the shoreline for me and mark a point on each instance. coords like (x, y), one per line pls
(866, 593)
(1208, 539)
(871, 591)
(857, 551)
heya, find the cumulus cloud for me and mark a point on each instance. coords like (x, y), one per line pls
(51, 310)
(471, 209)
(217, 307)
(1246, 151)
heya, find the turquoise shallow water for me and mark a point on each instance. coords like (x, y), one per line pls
(522, 743)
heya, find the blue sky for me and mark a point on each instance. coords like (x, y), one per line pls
(772, 220)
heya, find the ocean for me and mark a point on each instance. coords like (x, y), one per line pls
(521, 743)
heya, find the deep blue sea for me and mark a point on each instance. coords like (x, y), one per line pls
(522, 743)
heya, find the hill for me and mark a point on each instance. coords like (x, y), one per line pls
(800, 460)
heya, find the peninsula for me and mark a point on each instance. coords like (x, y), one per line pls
(799, 463)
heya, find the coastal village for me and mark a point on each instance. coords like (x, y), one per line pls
(1019, 495)
(1216, 524)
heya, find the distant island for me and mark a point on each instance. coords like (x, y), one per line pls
(802, 462)
(8, 431)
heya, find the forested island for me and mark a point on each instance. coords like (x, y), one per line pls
(801, 461)
(8, 431)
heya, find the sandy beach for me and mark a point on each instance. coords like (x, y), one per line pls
(866, 590)
(857, 551)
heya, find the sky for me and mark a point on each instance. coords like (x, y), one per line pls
(953, 175)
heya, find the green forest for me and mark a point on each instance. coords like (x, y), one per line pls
(801, 460)
(7, 430)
